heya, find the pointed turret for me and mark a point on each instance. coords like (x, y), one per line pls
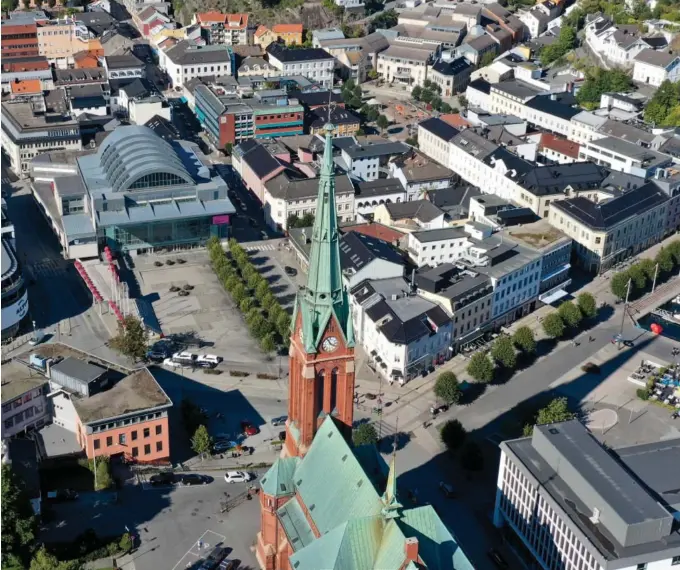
(391, 504)
(324, 295)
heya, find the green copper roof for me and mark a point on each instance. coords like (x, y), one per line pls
(278, 481)
(324, 296)
(295, 525)
(330, 464)
(392, 505)
(392, 551)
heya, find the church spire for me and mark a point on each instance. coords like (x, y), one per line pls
(391, 505)
(324, 295)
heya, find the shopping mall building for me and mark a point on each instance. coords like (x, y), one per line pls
(136, 194)
(14, 294)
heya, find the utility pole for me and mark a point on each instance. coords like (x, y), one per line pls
(625, 308)
(656, 272)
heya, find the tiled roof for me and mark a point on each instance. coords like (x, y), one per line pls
(375, 230)
(563, 146)
(27, 86)
(287, 28)
(211, 17)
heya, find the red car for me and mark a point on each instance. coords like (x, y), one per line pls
(248, 428)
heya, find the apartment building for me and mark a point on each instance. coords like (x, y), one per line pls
(585, 126)
(17, 69)
(536, 21)
(187, 60)
(29, 130)
(313, 63)
(654, 67)
(367, 160)
(380, 191)
(25, 406)
(623, 156)
(18, 40)
(609, 232)
(434, 136)
(419, 174)
(668, 181)
(406, 64)
(452, 75)
(60, 40)
(555, 494)
(219, 28)
(618, 43)
(410, 216)
(124, 66)
(434, 247)
(403, 333)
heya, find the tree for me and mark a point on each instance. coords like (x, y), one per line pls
(471, 457)
(268, 344)
(383, 21)
(570, 314)
(436, 103)
(373, 74)
(365, 434)
(648, 267)
(503, 352)
(246, 304)
(416, 92)
(637, 275)
(566, 41)
(524, 340)
(125, 543)
(445, 108)
(9, 5)
(426, 96)
(269, 302)
(239, 293)
(480, 367)
(132, 340)
(553, 325)
(619, 284)
(665, 99)
(382, 122)
(261, 290)
(599, 81)
(447, 388)
(453, 435)
(487, 59)
(372, 114)
(462, 100)
(665, 260)
(587, 305)
(228, 147)
(412, 141)
(674, 249)
(192, 416)
(201, 443)
(556, 411)
(18, 522)
(43, 560)
(283, 325)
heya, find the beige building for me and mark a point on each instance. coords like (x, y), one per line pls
(59, 40)
(607, 233)
(406, 64)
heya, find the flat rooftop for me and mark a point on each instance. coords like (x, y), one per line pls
(22, 113)
(536, 235)
(17, 379)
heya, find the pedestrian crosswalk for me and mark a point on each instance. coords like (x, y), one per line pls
(46, 268)
(264, 247)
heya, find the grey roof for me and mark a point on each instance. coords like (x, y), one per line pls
(79, 370)
(371, 149)
(439, 128)
(77, 76)
(407, 52)
(440, 234)
(468, 9)
(544, 180)
(78, 225)
(123, 61)
(474, 143)
(481, 43)
(579, 475)
(418, 168)
(545, 104)
(453, 198)
(137, 88)
(421, 210)
(647, 157)
(260, 160)
(626, 132)
(604, 215)
(656, 58)
(379, 187)
(287, 55)
(517, 88)
(318, 117)
(451, 281)
(358, 250)
(284, 187)
(187, 53)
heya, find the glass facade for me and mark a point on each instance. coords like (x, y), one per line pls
(164, 233)
(157, 179)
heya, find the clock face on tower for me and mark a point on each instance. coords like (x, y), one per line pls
(329, 344)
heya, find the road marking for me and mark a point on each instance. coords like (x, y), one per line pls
(208, 541)
(268, 247)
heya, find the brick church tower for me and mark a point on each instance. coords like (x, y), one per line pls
(321, 381)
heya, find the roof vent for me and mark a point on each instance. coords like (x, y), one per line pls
(553, 431)
(344, 458)
(312, 507)
(596, 516)
(298, 482)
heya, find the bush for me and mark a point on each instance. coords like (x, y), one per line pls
(453, 435)
(642, 393)
(263, 376)
(213, 371)
(238, 373)
(556, 411)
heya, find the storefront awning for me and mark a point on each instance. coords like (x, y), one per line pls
(553, 296)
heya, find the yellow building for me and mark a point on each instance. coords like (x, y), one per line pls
(60, 40)
(264, 36)
(288, 33)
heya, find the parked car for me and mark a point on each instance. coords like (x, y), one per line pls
(193, 479)
(159, 351)
(218, 554)
(223, 445)
(447, 490)
(184, 357)
(208, 360)
(62, 495)
(237, 477)
(229, 564)
(163, 478)
(290, 271)
(170, 363)
(248, 428)
(497, 559)
(279, 421)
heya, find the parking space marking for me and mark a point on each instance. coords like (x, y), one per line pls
(209, 539)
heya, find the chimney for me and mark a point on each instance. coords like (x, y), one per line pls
(411, 549)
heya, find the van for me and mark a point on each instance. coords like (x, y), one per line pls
(184, 357)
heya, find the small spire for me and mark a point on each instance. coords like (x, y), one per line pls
(389, 498)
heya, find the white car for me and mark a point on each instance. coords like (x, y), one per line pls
(184, 357)
(208, 360)
(237, 477)
(170, 363)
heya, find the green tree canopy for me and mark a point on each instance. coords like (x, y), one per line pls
(43, 560)
(480, 367)
(553, 325)
(132, 340)
(556, 411)
(365, 434)
(665, 260)
(125, 543)
(664, 100)
(384, 21)
(453, 435)
(503, 352)
(447, 388)
(268, 344)
(416, 92)
(383, 122)
(18, 522)
(619, 284)
(648, 267)
(636, 273)
(524, 340)
(599, 81)
(570, 314)
(587, 305)
(201, 442)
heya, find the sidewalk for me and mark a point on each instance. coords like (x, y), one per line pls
(224, 461)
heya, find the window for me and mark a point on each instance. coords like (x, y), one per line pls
(159, 429)
(109, 441)
(135, 451)
(159, 446)
(96, 443)
(147, 432)
(147, 449)
(134, 435)
(122, 439)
